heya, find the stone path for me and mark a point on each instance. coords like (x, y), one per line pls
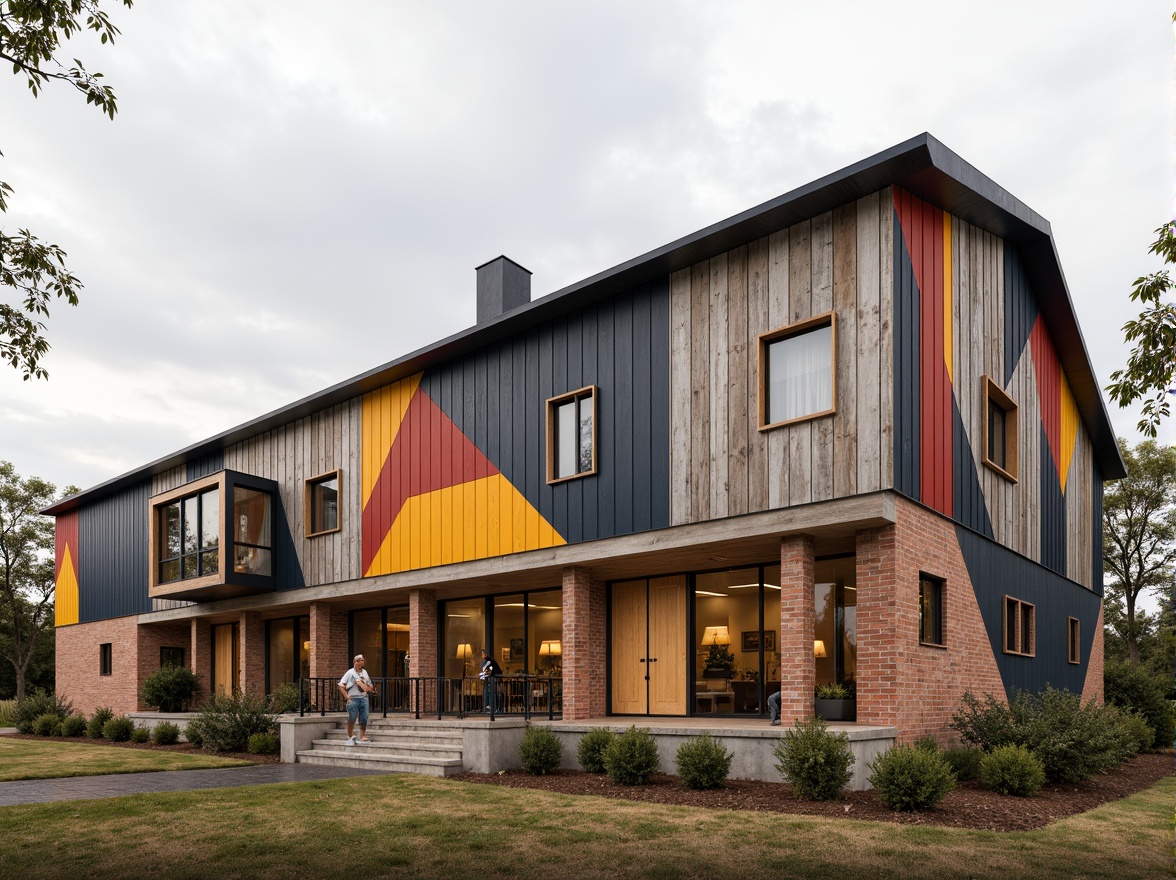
(40, 791)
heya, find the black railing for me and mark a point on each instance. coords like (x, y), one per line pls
(523, 696)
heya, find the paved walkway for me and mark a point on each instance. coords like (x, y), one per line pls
(41, 791)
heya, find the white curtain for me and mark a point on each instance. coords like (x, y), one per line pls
(800, 375)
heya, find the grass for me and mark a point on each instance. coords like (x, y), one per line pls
(33, 759)
(411, 826)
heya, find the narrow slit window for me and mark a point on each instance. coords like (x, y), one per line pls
(1073, 641)
(1020, 625)
(930, 611)
(106, 659)
(322, 504)
(1000, 430)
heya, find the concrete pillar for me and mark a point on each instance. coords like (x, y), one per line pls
(797, 624)
(200, 654)
(584, 649)
(251, 659)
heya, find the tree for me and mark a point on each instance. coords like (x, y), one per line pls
(33, 272)
(1151, 367)
(1139, 536)
(26, 568)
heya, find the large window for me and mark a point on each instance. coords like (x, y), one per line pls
(252, 553)
(797, 376)
(571, 435)
(1019, 627)
(522, 631)
(322, 504)
(190, 531)
(287, 651)
(930, 611)
(999, 430)
(381, 635)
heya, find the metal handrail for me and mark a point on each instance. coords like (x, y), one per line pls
(525, 696)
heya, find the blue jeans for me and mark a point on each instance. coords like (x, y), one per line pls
(488, 694)
(357, 708)
(774, 706)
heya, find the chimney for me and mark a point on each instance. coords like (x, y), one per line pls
(503, 285)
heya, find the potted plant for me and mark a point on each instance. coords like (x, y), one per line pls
(835, 702)
(720, 663)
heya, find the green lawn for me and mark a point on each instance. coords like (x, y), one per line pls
(411, 826)
(36, 759)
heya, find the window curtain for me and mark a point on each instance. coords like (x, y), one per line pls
(800, 375)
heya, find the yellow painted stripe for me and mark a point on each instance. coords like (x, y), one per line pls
(383, 414)
(425, 535)
(947, 297)
(1069, 430)
(65, 608)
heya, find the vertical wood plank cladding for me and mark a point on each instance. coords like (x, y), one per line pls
(845, 421)
(779, 272)
(719, 462)
(700, 405)
(737, 383)
(822, 455)
(758, 471)
(800, 290)
(886, 347)
(168, 480)
(1096, 517)
(867, 350)
(112, 555)
(680, 459)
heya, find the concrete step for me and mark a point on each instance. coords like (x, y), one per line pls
(362, 758)
(454, 744)
(416, 749)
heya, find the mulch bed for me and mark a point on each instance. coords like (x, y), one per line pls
(969, 806)
(183, 748)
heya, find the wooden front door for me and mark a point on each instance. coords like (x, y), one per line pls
(649, 647)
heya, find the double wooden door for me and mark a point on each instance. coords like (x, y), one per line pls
(649, 646)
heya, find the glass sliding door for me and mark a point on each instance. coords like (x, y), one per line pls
(835, 630)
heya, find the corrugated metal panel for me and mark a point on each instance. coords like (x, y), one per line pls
(996, 572)
(112, 555)
(1020, 311)
(971, 509)
(906, 369)
(1053, 511)
(202, 467)
(1096, 570)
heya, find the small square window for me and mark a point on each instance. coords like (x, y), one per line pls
(1073, 642)
(171, 657)
(105, 659)
(322, 503)
(999, 430)
(1020, 627)
(796, 372)
(571, 435)
(930, 611)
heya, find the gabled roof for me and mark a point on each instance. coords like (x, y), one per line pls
(922, 165)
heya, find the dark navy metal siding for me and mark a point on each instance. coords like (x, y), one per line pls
(1096, 569)
(1020, 310)
(996, 572)
(1052, 510)
(112, 555)
(497, 397)
(203, 467)
(906, 369)
(970, 508)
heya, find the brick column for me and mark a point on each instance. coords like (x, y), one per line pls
(328, 641)
(878, 628)
(251, 661)
(200, 654)
(423, 647)
(797, 623)
(584, 649)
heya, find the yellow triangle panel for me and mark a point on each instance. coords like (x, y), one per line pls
(65, 609)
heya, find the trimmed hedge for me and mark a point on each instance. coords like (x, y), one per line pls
(1012, 770)
(703, 763)
(911, 777)
(632, 757)
(540, 751)
(814, 761)
(592, 747)
(97, 722)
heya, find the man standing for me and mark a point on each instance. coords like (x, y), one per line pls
(490, 670)
(355, 685)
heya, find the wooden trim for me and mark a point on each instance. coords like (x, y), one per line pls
(1073, 641)
(551, 403)
(761, 381)
(1026, 643)
(155, 589)
(942, 584)
(307, 502)
(990, 391)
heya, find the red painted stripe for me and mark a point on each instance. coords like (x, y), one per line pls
(1049, 387)
(66, 536)
(414, 466)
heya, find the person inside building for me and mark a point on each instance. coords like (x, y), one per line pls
(490, 671)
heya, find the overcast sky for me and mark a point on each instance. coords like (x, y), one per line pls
(293, 193)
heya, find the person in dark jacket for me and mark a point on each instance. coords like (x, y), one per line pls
(490, 670)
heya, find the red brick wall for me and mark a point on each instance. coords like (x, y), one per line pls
(328, 641)
(1093, 690)
(900, 682)
(200, 657)
(251, 644)
(797, 623)
(423, 644)
(584, 649)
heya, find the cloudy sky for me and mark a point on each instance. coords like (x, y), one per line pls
(293, 193)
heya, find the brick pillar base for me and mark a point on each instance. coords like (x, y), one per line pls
(877, 626)
(797, 624)
(200, 653)
(584, 659)
(251, 660)
(328, 641)
(422, 634)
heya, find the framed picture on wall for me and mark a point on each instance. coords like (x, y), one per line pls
(770, 640)
(506, 655)
(751, 640)
(516, 649)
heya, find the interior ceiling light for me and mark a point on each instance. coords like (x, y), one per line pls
(708, 593)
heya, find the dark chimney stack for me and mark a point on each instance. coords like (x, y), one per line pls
(503, 285)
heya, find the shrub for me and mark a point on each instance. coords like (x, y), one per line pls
(140, 735)
(264, 743)
(7, 713)
(1134, 688)
(1138, 731)
(540, 751)
(591, 749)
(47, 725)
(631, 757)
(285, 698)
(985, 724)
(98, 721)
(118, 729)
(170, 688)
(815, 761)
(703, 763)
(36, 704)
(225, 723)
(927, 743)
(165, 734)
(1012, 770)
(74, 725)
(908, 778)
(964, 763)
(193, 735)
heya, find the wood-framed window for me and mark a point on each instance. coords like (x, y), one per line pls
(1020, 627)
(185, 534)
(322, 504)
(571, 435)
(999, 430)
(1073, 641)
(797, 372)
(106, 659)
(931, 608)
